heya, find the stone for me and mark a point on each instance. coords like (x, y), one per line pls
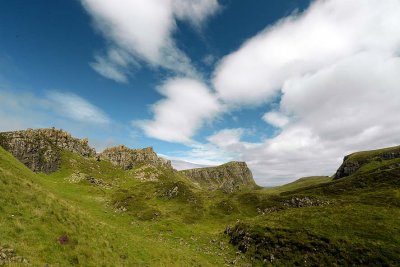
(229, 177)
(9, 256)
(128, 158)
(39, 149)
(78, 177)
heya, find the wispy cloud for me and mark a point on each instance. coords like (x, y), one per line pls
(21, 110)
(143, 30)
(74, 107)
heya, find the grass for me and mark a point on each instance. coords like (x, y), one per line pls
(363, 155)
(171, 222)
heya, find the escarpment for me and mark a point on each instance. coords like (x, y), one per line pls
(39, 149)
(353, 162)
(229, 177)
(128, 158)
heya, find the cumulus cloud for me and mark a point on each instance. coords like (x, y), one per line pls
(187, 105)
(302, 44)
(143, 30)
(336, 67)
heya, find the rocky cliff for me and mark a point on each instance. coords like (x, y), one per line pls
(39, 149)
(228, 177)
(353, 162)
(128, 158)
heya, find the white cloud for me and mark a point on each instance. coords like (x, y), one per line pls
(109, 69)
(302, 44)
(144, 29)
(336, 69)
(350, 106)
(180, 164)
(115, 65)
(74, 107)
(226, 137)
(276, 119)
(195, 11)
(187, 106)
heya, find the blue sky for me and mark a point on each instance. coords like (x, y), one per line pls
(207, 81)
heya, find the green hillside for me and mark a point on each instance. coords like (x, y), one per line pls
(91, 212)
(39, 211)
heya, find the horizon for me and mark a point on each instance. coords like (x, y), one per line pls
(289, 87)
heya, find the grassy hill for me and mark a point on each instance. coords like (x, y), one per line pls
(93, 213)
(49, 220)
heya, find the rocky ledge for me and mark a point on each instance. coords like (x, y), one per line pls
(128, 158)
(39, 149)
(229, 177)
(353, 162)
(9, 257)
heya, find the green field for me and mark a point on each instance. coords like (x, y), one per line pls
(64, 219)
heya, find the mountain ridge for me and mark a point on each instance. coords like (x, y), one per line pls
(91, 212)
(39, 150)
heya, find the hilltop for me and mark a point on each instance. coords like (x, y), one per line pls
(229, 177)
(63, 204)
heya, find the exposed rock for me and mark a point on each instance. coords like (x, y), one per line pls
(353, 162)
(39, 149)
(128, 159)
(295, 202)
(147, 173)
(78, 177)
(228, 177)
(8, 256)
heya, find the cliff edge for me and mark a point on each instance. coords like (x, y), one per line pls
(39, 149)
(228, 177)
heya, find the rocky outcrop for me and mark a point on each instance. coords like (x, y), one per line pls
(39, 149)
(295, 202)
(228, 177)
(128, 158)
(353, 162)
(78, 177)
(9, 257)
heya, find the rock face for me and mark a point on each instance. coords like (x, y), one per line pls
(228, 177)
(39, 149)
(351, 163)
(9, 257)
(128, 158)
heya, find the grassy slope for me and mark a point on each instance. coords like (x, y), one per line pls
(362, 155)
(360, 226)
(300, 183)
(364, 215)
(37, 209)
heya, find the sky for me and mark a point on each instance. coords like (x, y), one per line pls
(289, 86)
